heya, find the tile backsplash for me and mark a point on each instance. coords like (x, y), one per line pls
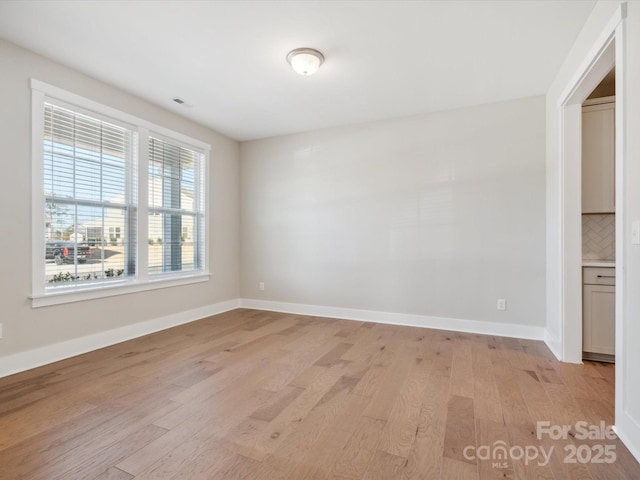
(599, 237)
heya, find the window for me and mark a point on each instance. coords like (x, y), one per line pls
(89, 194)
(118, 202)
(175, 205)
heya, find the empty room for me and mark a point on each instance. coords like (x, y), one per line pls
(320, 240)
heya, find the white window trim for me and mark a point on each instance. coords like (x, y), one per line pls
(113, 288)
(40, 296)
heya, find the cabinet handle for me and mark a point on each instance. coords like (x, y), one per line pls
(606, 276)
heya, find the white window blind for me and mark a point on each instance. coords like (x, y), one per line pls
(90, 194)
(176, 208)
(119, 203)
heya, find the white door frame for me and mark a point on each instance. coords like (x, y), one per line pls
(610, 49)
(604, 55)
(607, 51)
(598, 64)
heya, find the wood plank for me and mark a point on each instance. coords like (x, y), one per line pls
(85, 467)
(394, 376)
(95, 449)
(270, 436)
(385, 466)
(492, 434)
(307, 376)
(271, 411)
(43, 416)
(267, 396)
(290, 455)
(514, 408)
(237, 468)
(230, 407)
(486, 399)
(462, 372)
(459, 470)
(425, 457)
(523, 436)
(317, 462)
(403, 423)
(334, 356)
(460, 431)
(356, 455)
(113, 473)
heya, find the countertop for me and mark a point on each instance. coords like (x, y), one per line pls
(599, 263)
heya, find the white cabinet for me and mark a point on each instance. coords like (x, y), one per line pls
(598, 156)
(599, 311)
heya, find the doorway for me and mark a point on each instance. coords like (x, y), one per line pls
(616, 44)
(609, 51)
(571, 124)
(598, 222)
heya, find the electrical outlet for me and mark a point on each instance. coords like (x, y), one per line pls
(261, 285)
(502, 304)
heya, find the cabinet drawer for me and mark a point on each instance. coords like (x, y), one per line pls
(599, 275)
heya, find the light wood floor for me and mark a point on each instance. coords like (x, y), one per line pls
(267, 396)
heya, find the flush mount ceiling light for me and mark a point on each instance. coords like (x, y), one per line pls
(305, 61)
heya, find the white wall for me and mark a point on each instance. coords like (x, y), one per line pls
(628, 256)
(435, 215)
(25, 328)
(631, 316)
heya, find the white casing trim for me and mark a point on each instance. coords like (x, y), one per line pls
(554, 344)
(37, 357)
(405, 319)
(627, 430)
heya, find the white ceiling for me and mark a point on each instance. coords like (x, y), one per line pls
(384, 59)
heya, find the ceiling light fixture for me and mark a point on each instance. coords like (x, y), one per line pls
(305, 61)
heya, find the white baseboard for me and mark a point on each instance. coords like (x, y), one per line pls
(406, 319)
(37, 357)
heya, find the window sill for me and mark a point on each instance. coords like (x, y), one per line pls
(91, 292)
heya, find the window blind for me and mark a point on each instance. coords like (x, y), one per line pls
(176, 208)
(90, 198)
